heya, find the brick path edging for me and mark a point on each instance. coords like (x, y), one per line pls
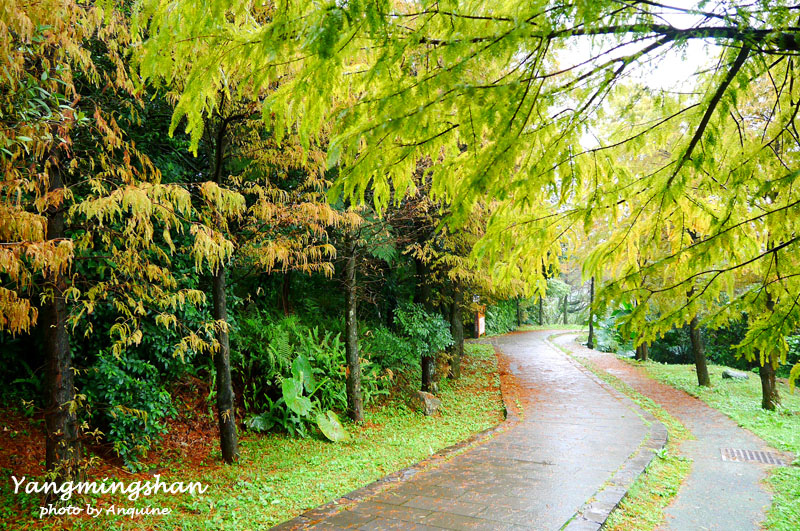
(321, 512)
(594, 513)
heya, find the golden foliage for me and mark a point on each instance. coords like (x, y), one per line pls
(110, 194)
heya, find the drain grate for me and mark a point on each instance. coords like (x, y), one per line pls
(744, 456)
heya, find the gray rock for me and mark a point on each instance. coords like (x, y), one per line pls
(428, 402)
(735, 375)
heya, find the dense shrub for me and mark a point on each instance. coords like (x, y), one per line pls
(389, 350)
(128, 403)
(501, 317)
(126, 396)
(674, 347)
(268, 353)
(719, 345)
(609, 336)
(260, 355)
(427, 333)
(20, 371)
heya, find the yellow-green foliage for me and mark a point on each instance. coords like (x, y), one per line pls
(689, 199)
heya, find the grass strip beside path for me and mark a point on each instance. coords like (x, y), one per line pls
(572, 327)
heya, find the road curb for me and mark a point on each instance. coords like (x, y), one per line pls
(593, 514)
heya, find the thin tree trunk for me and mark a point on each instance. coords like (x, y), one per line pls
(541, 311)
(643, 352)
(285, 290)
(427, 364)
(422, 296)
(457, 330)
(228, 438)
(63, 449)
(423, 290)
(770, 398)
(355, 406)
(590, 340)
(565, 309)
(222, 360)
(699, 356)
(519, 314)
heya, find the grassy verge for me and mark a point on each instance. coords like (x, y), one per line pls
(741, 400)
(280, 477)
(642, 508)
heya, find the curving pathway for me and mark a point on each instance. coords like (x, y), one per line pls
(575, 438)
(717, 495)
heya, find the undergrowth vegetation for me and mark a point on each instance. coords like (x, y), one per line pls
(501, 318)
(674, 347)
(281, 476)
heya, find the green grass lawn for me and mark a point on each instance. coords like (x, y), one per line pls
(280, 477)
(741, 400)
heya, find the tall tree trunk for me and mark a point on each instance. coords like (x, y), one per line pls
(286, 285)
(457, 330)
(228, 439)
(699, 356)
(519, 314)
(423, 290)
(355, 406)
(770, 398)
(590, 341)
(222, 360)
(422, 295)
(541, 311)
(565, 309)
(63, 449)
(428, 365)
(643, 352)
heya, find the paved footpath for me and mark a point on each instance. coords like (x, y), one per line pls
(717, 494)
(574, 435)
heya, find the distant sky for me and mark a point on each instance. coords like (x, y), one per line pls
(673, 70)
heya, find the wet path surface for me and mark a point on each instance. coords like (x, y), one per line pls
(571, 438)
(717, 494)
